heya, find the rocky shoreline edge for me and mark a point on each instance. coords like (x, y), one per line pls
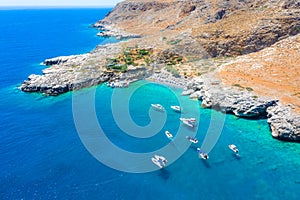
(284, 124)
(69, 73)
(108, 30)
(62, 77)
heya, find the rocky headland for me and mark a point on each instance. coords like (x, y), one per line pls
(238, 57)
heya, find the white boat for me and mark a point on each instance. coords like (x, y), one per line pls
(176, 108)
(158, 107)
(203, 155)
(192, 139)
(191, 122)
(160, 161)
(169, 135)
(233, 148)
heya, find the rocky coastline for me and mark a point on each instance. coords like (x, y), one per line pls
(69, 73)
(147, 26)
(108, 30)
(284, 124)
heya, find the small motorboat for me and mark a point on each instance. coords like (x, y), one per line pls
(176, 108)
(191, 122)
(169, 135)
(192, 139)
(233, 148)
(158, 107)
(203, 155)
(160, 161)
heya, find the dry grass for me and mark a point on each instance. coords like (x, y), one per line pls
(273, 72)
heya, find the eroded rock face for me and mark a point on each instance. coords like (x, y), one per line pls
(284, 124)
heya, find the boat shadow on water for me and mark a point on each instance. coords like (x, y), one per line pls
(164, 173)
(236, 156)
(205, 163)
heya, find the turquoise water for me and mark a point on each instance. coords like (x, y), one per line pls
(42, 156)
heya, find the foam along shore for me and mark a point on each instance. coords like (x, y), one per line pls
(284, 124)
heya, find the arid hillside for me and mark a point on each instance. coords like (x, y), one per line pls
(273, 72)
(257, 40)
(220, 27)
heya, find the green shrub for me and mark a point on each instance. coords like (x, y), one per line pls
(120, 67)
(124, 68)
(237, 85)
(249, 89)
(173, 42)
(148, 61)
(179, 59)
(143, 52)
(129, 62)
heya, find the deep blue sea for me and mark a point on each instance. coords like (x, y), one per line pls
(42, 155)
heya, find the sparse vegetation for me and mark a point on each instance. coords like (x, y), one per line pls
(130, 56)
(249, 89)
(240, 51)
(172, 70)
(238, 85)
(174, 42)
(121, 68)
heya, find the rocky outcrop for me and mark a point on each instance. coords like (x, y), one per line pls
(68, 73)
(52, 86)
(241, 104)
(283, 124)
(108, 30)
(58, 60)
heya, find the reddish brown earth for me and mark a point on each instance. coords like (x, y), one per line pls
(273, 72)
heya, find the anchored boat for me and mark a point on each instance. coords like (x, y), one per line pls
(192, 139)
(191, 122)
(203, 155)
(158, 107)
(160, 161)
(169, 135)
(176, 108)
(233, 148)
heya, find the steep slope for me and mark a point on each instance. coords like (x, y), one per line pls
(220, 27)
